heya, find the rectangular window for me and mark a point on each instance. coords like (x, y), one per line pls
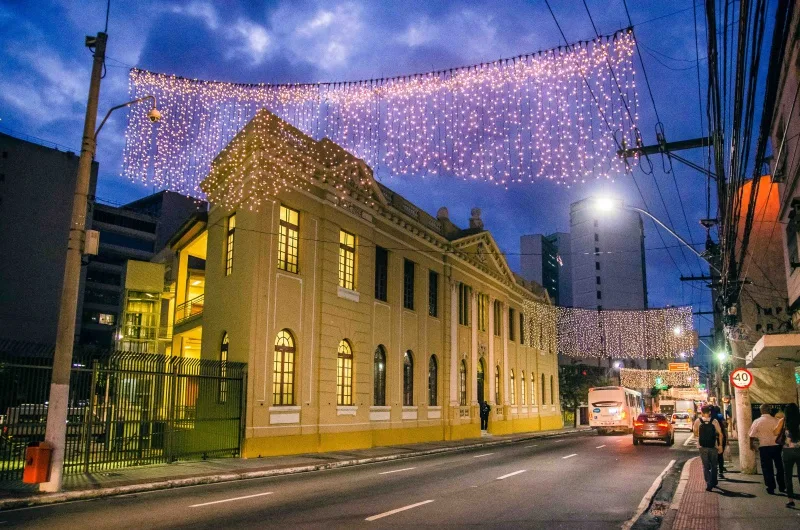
(347, 260)
(464, 293)
(597, 279)
(597, 237)
(599, 295)
(433, 293)
(288, 237)
(381, 273)
(498, 318)
(106, 318)
(408, 284)
(597, 266)
(229, 244)
(511, 324)
(521, 328)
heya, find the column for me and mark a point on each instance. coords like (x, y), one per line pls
(454, 368)
(492, 389)
(473, 354)
(505, 360)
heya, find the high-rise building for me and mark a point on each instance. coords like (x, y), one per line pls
(37, 186)
(539, 262)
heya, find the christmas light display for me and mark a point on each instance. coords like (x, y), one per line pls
(634, 378)
(646, 334)
(558, 114)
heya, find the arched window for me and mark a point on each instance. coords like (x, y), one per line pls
(481, 381)
(283, 369)
(533, 390)
(522, 395)
(497, 381)
(433, 382)
(344, 374)
(222, 396)
(544, 401)
(408, 379)
(552, 392)
(379, 377)
(513, 395)
(462, 384)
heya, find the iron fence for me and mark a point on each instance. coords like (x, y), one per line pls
(125, 409)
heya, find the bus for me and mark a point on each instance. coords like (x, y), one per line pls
(613, 408)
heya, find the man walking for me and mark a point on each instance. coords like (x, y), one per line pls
(709, 441)
(484, 412)
(768, 450)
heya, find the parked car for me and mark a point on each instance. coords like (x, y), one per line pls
(682, 420)
(653, 427)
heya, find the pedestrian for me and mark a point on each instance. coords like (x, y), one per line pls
(716, 413)
(484, 411)
(709, 442)
(768, 449)
(788, 433)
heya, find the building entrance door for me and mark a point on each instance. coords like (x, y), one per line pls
(481, 393)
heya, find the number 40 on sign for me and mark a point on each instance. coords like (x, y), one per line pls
(741, 378)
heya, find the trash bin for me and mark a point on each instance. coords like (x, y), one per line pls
(37, 463)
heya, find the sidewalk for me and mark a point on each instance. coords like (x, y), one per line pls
(741, 501)
(163, 476)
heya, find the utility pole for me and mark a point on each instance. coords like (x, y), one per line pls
(56, 431)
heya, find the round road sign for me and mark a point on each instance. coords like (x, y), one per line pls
(741, 378)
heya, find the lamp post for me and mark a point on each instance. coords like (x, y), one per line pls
(55, 433)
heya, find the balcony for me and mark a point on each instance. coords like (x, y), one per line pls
(189, 310)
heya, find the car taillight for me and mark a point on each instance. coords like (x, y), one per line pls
(622, 415)
(638, 423)
(663, 424)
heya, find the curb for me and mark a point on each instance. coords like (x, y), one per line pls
(55, 498)
(674, 506)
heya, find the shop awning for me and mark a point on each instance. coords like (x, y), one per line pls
(781, 349)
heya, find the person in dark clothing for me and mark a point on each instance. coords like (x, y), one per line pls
(708, 433)
(716, 413)
(484, 410)
(788, 431)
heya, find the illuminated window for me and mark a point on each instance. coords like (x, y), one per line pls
(379, 377)
(347, 260)
(522, 395)
(223, 369)
(288, 237)
(344, 374)
(283, 369)
(105, 318)
(462, 384)
(408, 379)
(229, 245)
(483, 314)
(433, 382)
(497, 381)
(513, 395)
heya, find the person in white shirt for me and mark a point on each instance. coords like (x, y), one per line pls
(768, 449)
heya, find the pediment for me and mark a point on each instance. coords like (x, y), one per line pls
(481, 248)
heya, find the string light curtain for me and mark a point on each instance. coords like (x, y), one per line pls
(666, 333)
(556, 114)
(635, 378)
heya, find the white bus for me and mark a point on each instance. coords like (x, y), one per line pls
(613, 408)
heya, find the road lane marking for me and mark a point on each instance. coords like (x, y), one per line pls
(512, 474)
(647, 497)
(569, 456)
(688, 440)
(230, 500)
(528, 446)
(396, 510)
(600, 446)
(485, 454)
(397, 470)
(560, 440)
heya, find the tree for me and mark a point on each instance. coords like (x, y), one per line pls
(574, 382)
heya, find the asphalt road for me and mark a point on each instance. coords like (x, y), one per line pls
(573, 481)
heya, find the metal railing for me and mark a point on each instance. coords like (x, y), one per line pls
(125, 409)
(190, 308)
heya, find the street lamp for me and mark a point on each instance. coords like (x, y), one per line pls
(608, 204)
(55, 433)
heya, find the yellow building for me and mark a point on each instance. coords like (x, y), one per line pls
(364, 320)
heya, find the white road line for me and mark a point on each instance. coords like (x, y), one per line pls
(647, 497)
(560, 440)
(230, 500)
(569, 456)
(600, 446)
(512, 474)
(688, 440)
(397, 470)
(397, 510)
(528, 446)
(485, 454)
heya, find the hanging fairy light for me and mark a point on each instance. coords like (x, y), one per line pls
(635, 378)
(555, 114)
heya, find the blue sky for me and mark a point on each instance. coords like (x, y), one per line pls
(44, 74)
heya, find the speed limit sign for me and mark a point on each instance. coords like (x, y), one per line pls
(741, 378)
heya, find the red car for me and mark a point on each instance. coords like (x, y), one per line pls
(653, 427)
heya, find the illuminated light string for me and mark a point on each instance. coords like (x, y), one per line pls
(632, 334)
(506, 122)
(635, 378)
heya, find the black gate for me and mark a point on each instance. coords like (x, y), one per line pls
(125, 409)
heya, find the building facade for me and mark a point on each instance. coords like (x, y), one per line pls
(364, 320)
(540, 262)
(37, 186)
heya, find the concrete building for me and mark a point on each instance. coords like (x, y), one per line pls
(37, 185)
(364, 320)
(134, 231)
(540, 263)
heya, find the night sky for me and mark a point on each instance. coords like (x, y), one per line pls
(44, 75)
